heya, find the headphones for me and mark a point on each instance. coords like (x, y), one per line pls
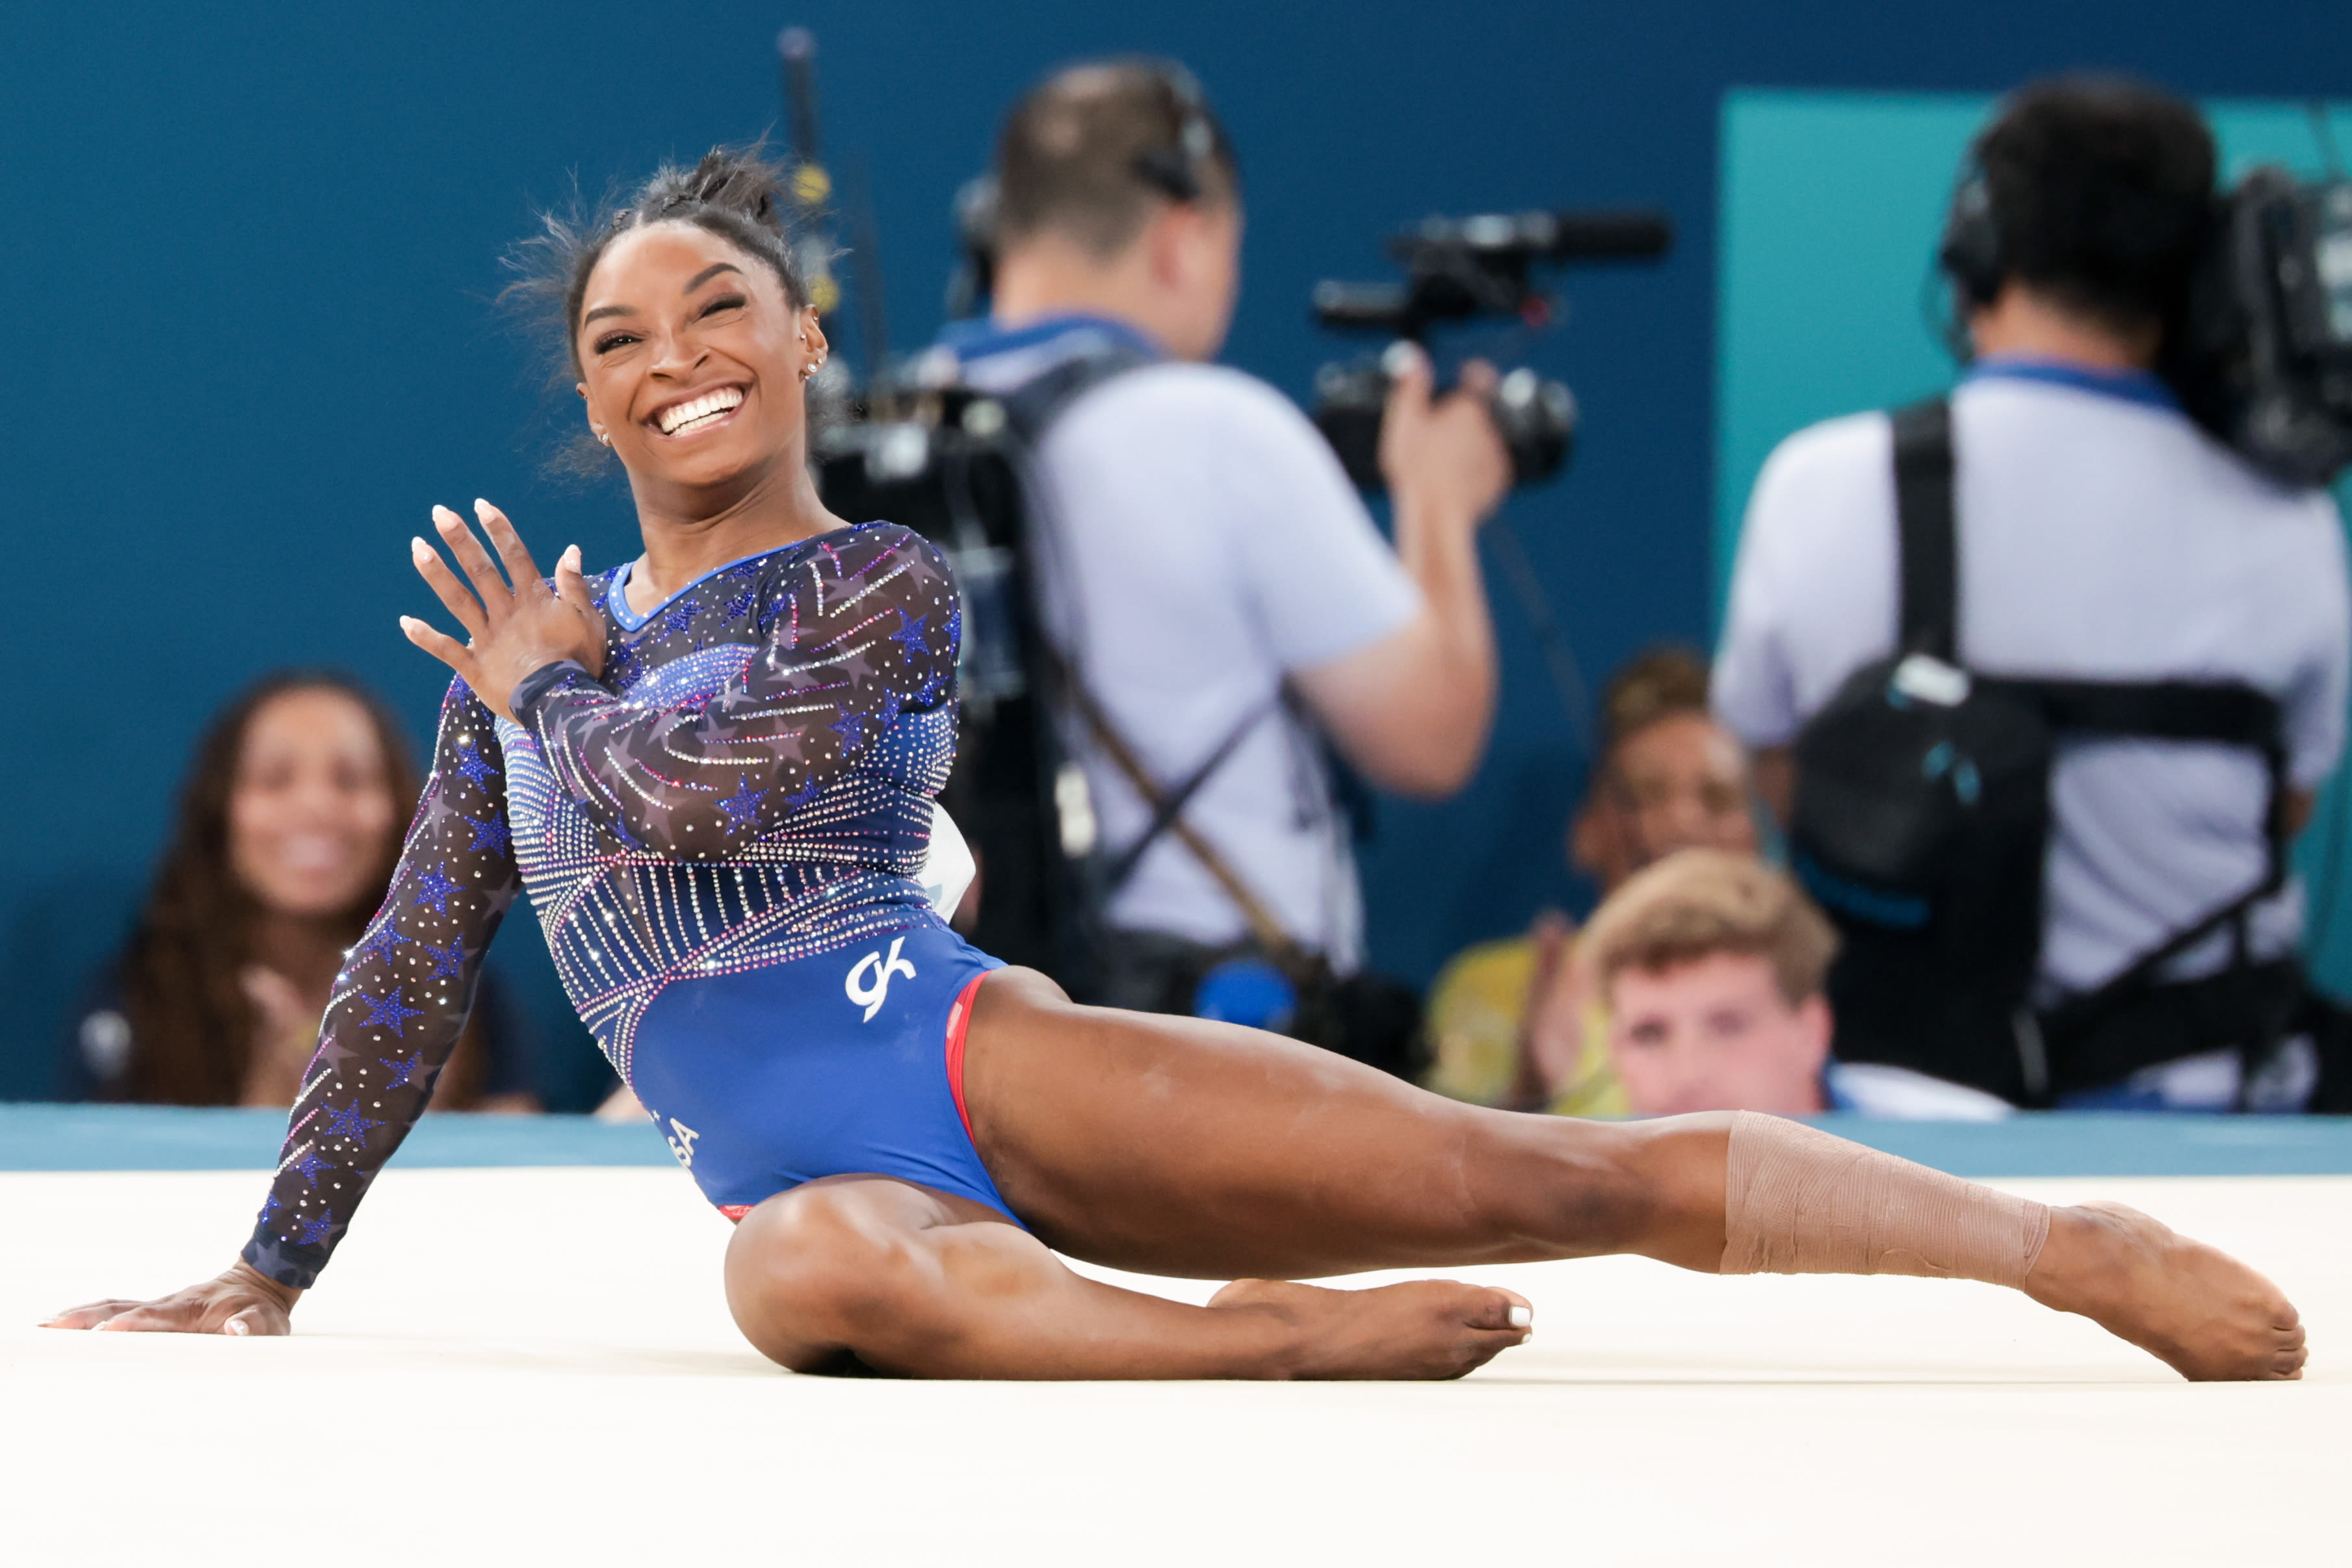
(976, 225)
(1970, 252)
(1970, 255)
(1176, 170)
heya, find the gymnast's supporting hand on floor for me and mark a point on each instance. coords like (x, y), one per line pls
(712, 771)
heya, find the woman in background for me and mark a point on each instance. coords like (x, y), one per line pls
(288, 827)
(1518, 1022)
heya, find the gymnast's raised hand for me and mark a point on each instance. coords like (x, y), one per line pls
(510, 631)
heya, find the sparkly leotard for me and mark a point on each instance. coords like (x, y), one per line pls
(745, 794)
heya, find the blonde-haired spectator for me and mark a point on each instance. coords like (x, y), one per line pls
(1711, 966)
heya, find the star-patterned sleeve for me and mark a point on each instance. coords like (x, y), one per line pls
(856, 633)
(400, 1002)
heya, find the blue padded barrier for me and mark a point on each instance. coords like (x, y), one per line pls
(169, 1138)
(145, 1138)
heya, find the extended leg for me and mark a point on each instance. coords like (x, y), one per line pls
(868, 1273)
(1176, 1146)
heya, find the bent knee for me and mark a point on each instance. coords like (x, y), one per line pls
(808, 1267)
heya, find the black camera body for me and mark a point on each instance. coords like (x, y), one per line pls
(939, 458)
(1535, 418)
(1460, 269)
(2265, 359)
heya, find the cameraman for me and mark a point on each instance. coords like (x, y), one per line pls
(1214, 589)
(2102, 536)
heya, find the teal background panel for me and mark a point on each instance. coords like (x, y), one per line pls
(1827, 302)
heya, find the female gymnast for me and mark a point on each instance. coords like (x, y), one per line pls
(712, 769)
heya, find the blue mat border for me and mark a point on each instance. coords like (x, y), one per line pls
(171, 1138)
(153, 1138)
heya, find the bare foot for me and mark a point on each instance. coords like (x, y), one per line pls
(1428, 1329)
(2195, 1308)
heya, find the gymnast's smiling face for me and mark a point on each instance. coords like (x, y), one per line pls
(693, 359)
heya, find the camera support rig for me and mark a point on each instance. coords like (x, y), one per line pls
(1460, 269)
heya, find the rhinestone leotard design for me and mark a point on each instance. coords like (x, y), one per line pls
(748, 784)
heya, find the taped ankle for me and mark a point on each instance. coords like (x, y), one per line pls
(1797, 1201)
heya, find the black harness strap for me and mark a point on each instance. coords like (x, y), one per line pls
(1930, 544)
(1029, 409)
(2226, 713)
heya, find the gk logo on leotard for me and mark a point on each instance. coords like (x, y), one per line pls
(871, 997)
(681, 1143)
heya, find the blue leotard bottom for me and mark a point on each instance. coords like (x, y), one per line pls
(827, 1065)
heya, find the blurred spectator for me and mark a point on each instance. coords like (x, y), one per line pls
(1711, 967)
(288, 827)
(2101, 537)
(1518, 1020)
(1215, 591)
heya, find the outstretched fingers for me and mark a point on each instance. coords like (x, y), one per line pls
(475, 563)
(441, 646)
(196, 1311)
(237, 1301)
(89, 1316)
(181, 1314)
(521, 570)
(169, 1316)
(572, 584)
(454, 596)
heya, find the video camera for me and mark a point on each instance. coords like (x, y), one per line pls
(1459, 269)
(2266, 357)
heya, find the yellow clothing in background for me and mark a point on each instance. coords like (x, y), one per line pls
(1477, 1010)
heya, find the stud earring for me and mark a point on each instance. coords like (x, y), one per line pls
(606, 439)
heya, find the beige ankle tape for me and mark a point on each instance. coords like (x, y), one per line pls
(1797, 1201)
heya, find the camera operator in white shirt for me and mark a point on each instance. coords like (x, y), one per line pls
(2103, 536)
(1212, 573)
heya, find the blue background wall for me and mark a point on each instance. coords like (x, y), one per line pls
(247, 251)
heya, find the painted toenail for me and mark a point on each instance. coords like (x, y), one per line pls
(1522, 1316)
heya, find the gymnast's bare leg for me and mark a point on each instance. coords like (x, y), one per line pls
(1180, 1147)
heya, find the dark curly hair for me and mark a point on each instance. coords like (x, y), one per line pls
(2102, 190)
(1655, 684)
(736, 192)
